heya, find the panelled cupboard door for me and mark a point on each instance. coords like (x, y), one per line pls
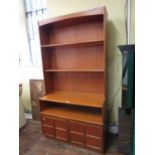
(61, 129)
(49, 131)
(47, 121)
(77, 133)
(48, 126)
(94, 137)
(87, 135)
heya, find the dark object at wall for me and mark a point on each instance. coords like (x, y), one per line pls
(126, 145)
(37, 90)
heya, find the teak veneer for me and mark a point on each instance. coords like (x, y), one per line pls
(76, 98)
(73, 49)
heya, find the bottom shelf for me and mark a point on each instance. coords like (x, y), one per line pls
(84, 115)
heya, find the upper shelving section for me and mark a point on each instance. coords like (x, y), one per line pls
(76, 98)
(54, 30)
(73, 50)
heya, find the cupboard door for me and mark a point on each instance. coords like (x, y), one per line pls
(94, 142)
(76, 138)
(76, 126)
(61, 134)
(76, 133)
(49, 131)
(94, 130)
(47, 121)
(94, 137)
(61, 129)
(60, 124)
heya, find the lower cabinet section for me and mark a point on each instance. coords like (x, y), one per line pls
(79, 133)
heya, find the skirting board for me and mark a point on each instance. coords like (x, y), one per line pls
(113, 129)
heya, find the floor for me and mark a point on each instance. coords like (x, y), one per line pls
(32, 142)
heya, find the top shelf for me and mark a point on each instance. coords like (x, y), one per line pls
(91, 12)
(76, 98)
(91, 42)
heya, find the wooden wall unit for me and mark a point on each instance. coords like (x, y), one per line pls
(74, 63)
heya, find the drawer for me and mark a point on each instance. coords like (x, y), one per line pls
(62, 124)
(47, 120)
(77, 127)
(48, 130)
(77, 138)
(94, 143)
(94, 130)
(61, 134)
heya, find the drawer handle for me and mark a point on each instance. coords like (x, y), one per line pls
(44, 119)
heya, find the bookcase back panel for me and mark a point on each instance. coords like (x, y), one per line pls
(76, 82)
(46, 58)
(73, 31)
(90, 57)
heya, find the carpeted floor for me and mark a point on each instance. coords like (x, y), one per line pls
(32, 142)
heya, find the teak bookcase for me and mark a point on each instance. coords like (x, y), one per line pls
(73, 51)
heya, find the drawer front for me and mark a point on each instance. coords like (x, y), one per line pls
(60, 124)
(77, 127)
(48, 130)
(47, 121)
(94, 130)
(94, 143)
(61, 134)
(77, 138)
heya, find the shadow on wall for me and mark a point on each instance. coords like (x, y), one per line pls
(114, 73)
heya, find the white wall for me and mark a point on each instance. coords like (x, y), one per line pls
(26, 72)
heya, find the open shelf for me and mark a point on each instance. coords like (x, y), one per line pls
(75, 70)
(74, 114)
(91, 42)
(76, 98)
(71, 17)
